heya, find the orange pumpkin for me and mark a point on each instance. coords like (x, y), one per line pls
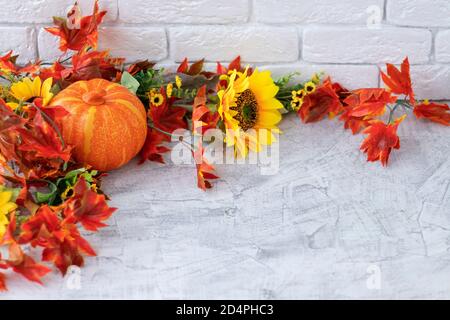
(107, 124)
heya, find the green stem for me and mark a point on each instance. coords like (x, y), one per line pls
(391, 114)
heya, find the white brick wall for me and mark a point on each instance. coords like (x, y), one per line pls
(341, 37)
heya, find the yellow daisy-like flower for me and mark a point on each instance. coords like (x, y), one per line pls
(169, 90)
(300, 94)
(156, 99)
(310, 87)
(296, 104)
(28, 89)
(6, 206)
(178, 82)
(250, 111)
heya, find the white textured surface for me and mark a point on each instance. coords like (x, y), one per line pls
(335, 33)
(312, 231)
(363, 45)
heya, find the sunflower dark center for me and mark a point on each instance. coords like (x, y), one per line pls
(247, 110)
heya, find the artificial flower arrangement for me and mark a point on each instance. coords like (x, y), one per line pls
(63, 125)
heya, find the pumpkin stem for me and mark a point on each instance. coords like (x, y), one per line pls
(95, 98)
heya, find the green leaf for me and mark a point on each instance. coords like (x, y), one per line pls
(130, 82)
(47, 197)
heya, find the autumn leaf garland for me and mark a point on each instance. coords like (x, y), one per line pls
(46, 197)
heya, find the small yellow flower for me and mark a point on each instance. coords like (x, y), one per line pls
(169, 90)
(301, 94)
(426, 102)
(28, 89)
(296, 104)
(156, 99)
(178, 82)
(6, 207)
(310, 87)
(66, 193)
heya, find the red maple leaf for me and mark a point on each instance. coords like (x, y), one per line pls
(18, 261)
(75, 37)
(25, 265)
(8, 64)
(234, 65)
(55, 72)
(399, 81)
(205, 171)
(436, 112)
(140, 66)
(61, 240)
(382, 138)
(88, 65)
(87, 207)
(32, 144)
(2, 281)
(153, 148)
(195, 69)
(43, 140)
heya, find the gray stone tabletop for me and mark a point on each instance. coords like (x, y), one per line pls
(329, 225)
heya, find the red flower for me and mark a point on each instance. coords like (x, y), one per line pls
(87, 207)
(382, 138)
(322, 102)
(435, 112)
(399, 81)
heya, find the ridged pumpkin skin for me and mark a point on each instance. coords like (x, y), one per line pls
(107, 124)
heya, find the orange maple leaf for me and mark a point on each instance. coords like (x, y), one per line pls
(88, 65)
(436, 112)
(8, 64)
(382, 138)
(74, 38)
(43, 140)
(153, 148)
(195, 69)
(399, 81)
(18, 261)
(369, 102)
(61, 240)
(205, 171)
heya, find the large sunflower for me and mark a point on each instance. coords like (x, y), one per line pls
(28, 89)
(250, 111)
(6, 207)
